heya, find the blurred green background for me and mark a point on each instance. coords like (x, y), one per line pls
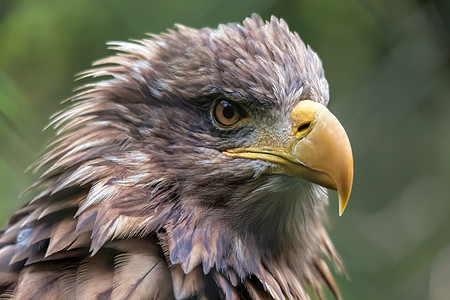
(388, 66)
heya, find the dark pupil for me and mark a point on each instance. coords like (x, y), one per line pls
(228, 110)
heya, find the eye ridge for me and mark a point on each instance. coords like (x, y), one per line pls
(227, 113)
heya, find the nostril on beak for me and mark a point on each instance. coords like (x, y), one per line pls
(303, 128)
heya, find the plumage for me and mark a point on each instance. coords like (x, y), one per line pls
(145, 193)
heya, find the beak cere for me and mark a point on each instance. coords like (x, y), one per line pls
(318, 151)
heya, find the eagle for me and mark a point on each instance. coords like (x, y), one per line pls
(195, 165)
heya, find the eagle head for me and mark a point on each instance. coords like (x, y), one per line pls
(212, 149)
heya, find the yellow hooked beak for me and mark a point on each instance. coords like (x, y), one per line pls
(318, 151)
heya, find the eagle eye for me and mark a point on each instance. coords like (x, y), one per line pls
(226, 113)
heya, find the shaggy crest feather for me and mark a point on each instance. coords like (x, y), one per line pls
(136, 199)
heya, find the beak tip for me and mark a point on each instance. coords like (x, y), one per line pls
(342, 204)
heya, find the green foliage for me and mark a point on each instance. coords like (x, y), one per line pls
(387, 65)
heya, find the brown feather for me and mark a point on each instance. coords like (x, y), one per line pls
(187, 285)
(94, 279)
(141, 272)
(39, 282)
(62, 236)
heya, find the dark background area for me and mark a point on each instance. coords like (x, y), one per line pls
(387, 63)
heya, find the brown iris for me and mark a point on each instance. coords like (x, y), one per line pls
(226, 113)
